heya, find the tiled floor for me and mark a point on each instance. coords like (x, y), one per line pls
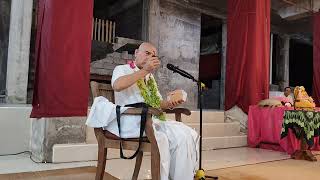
(231, 157)
(215, 159)
(283, 169)
(22, 163)
(80, 173)
(277, 170)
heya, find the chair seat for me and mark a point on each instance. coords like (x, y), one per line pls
(112, 136)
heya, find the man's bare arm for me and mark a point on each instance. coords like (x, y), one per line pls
(128, 80)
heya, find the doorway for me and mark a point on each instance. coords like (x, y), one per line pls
(210, 60)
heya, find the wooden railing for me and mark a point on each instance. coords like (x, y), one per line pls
(103, 30)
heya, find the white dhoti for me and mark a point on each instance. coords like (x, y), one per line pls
(178, 143)
(178, 146)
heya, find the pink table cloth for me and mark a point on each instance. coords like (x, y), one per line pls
(264, 130)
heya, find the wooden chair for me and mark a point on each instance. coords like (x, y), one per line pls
(108, 140)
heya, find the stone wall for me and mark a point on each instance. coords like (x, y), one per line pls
(47, 132)
(106, 65)
(4, 40)
(175, 31)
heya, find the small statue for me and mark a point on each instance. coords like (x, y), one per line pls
(302, 101)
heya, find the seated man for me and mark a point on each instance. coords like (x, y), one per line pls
(287, 94)
(178, 143)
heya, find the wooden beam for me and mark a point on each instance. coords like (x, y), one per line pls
(201, 7)
(289, 2)
(299, 10)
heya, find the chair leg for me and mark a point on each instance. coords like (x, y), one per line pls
(101, 164)
(155, 163)
(137, 166)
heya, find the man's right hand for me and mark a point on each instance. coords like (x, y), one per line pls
(151, 64)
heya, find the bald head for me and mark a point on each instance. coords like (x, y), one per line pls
(145, 51)
(148, 47)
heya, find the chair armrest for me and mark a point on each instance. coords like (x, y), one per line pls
(138, 111)
(178, 112)
(157, 112)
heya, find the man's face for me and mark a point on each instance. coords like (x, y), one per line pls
(287, 91)
(145, 52)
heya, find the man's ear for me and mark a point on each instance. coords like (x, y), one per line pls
(136, 52)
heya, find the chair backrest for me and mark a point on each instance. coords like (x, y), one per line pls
(102, 89)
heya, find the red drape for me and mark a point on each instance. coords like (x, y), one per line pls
(248, 44)
(63, 46)
(316, 59)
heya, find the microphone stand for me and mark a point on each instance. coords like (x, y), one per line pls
(200, 174)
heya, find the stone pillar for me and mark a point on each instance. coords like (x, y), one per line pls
(154, 22)
(175, 31)
(4, 39)
(271, 59)
(145, 20)
(18, 51)
(223, 64)
(47, 132)
(285, 52)
(283, 69)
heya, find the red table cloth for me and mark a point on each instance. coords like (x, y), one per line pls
(264, 130)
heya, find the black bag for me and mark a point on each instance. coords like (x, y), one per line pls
(144, 114)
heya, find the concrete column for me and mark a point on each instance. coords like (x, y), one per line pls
(18, 51)
(285, 51)
(223, 64)
(283, 69)
(145, 20)
(154, 22)
(5, 6)
(175, 31)
(271, 59)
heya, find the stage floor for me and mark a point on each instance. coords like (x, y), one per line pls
(283, 169)
(214, 159)
(287, 169)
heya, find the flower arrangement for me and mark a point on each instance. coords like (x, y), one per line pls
(150, 93)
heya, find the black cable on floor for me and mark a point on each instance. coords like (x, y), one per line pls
(38, 162)
(23, 152)
(15, 153)
(33, 159)
(30, 153)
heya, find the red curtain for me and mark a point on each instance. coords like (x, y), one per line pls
(316, 59)
(247, 71)
(63, 46)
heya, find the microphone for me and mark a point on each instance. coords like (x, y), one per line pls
(183, 73)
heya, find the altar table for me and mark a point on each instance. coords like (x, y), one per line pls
(264, 130)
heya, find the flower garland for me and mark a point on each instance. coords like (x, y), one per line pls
(150, 93)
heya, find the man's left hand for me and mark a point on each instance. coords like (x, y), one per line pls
(173, 104)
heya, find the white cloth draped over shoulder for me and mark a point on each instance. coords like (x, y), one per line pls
(178, 143)
(102, 112)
